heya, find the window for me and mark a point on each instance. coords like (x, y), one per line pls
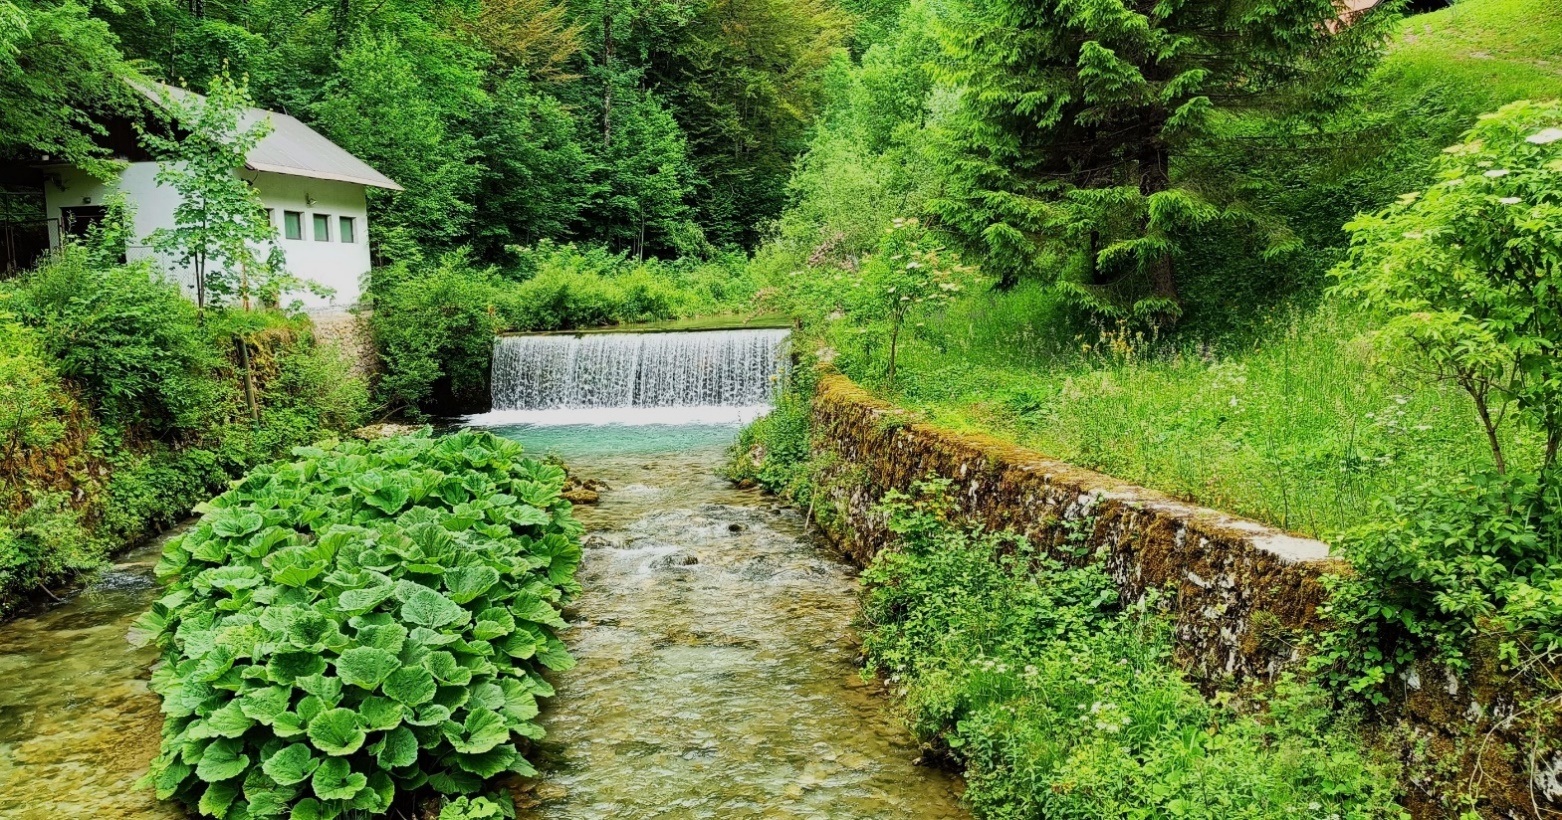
(293, 224)
(322, 227)
(345, 230)
(271, 217)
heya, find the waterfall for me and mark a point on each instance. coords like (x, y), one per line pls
(697, 376)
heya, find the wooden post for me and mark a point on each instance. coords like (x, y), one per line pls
(249, 379)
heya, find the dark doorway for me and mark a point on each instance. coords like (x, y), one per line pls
(77, 221)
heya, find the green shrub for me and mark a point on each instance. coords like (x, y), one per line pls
(435, 334)
(775, 451)
(46, 542)
(128, 340)
(1439, 567)
(1061, 702)
(368, 621)
(1463, 277)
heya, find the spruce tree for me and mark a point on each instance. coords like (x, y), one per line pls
(1072, 114)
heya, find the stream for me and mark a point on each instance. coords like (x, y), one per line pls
(717, 674)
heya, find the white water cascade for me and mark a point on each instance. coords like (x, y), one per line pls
(711, 376)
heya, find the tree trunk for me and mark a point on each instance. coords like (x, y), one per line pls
(607, 79)
(1490, 426)
(1155, 177)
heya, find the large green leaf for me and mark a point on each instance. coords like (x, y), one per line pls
(236, 525)
(229, 721)
(483, 730)
(294, 566)
(231, 579)
(400, 748)
(379, 714)
(489, 763)
(365, 666)
(325, 687)
(311, 631)
(363, 600)
(556, 656)
(466, 583)
(388, 499)
(412, 686)
(287, 667)
(218, 797)
(335, 780)
(428, 608)
(389, 637)
(266, 703)
(222, 759)
(337, 732)
(291, 764)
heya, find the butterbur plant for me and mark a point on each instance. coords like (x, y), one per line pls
(370, 621)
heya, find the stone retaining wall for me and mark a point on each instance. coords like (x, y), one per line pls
(1237, 586)
(1241, 593)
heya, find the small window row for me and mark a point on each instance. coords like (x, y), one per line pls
(293, 226)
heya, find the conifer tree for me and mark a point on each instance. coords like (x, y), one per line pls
(1072, 115)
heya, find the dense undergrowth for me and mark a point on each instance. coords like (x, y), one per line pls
(369, 621)
(120, 409)
(1061, 701)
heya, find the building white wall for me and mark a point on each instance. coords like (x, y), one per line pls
(338, 265)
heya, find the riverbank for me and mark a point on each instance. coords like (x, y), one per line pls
(1243, 599)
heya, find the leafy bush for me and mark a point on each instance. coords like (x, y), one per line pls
(368, 621)
(1436, 569)
(1061, 702)
(435, 335)
(775, 451)
(1464, 277)
(1465, 274)
(127, 339)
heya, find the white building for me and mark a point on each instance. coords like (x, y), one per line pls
(313, 191)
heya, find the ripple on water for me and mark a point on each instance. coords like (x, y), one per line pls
(717, 670)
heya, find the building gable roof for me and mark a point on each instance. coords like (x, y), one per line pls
(292, 148)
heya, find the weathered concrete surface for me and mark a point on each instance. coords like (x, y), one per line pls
(349, 334)
(1242, 594)
(1237, 588)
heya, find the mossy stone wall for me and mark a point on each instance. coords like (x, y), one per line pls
(1242, 594)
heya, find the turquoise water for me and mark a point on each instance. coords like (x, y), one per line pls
(597, 441)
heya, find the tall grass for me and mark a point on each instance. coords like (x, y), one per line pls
(1299, 425)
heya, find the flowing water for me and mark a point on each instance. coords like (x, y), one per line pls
(708, 375)
(717, 670)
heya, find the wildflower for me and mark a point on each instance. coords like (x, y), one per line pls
(1509, 200)
(1496, 173)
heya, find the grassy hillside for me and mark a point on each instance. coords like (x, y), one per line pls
(1486, 52)
(1470, 58)
(1294, 423)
